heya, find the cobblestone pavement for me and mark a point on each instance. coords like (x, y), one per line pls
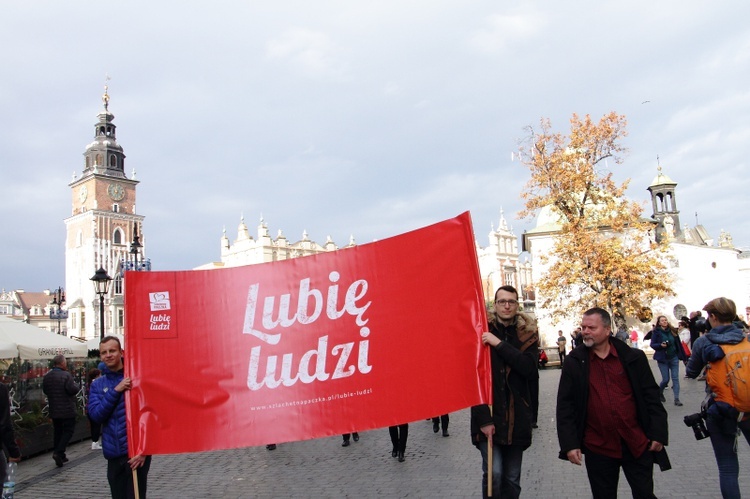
(435, 466)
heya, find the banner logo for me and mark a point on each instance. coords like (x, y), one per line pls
(159, 301)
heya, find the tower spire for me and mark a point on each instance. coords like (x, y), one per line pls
(105, 97)
(104, 155)
(664, 204)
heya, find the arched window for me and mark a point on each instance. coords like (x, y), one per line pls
(98, 160)
(118, 284)
(88, 162)
(117, 236)
(112, 160)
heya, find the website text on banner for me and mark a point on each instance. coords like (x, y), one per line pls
(366, 337)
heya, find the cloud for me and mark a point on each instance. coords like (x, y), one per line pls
(504, 31)
(312, 52)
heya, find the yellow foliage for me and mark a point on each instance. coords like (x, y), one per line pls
(604, 254)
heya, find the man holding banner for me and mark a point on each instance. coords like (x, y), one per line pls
(513, 341)
(107, 407)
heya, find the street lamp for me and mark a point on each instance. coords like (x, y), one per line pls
(57, 312)
(101, 286)
(135, 248)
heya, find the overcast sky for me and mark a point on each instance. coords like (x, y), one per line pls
(355, 118)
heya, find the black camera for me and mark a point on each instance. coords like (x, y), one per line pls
(702, 325)
(695, 421)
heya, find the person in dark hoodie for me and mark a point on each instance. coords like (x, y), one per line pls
(608, 410)
(513, 339)
(721, 418)
(107, 407)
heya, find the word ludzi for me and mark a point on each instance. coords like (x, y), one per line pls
(316, 358)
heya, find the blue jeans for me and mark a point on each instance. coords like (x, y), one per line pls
(506, 470)
(670, 366)
(723, 442)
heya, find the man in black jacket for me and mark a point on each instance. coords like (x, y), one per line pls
(513, 339)
(60, 389)
(696, 324)
(608, 408)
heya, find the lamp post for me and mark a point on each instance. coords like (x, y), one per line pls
(57, 312)
(135, 248)
(101, 286)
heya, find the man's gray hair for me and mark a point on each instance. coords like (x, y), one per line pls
(606, 318)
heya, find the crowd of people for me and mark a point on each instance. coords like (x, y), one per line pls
(610, 412)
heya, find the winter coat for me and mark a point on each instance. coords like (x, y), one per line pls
(706, 348)
(60, 389)
(662, 354)
(514, 365)
(107, 407)
(573, 394)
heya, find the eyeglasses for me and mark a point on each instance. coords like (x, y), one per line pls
(506, 302)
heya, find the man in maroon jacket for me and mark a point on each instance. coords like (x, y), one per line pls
(608, 409)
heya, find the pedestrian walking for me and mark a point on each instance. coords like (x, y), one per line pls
(96, 428)
(561, 344)
(608, 410)
(667, 353)
(347, 437)
(60, 388)
(399, 434)
(442, 420)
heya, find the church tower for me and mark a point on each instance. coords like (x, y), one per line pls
(664, 203)
(102, 229)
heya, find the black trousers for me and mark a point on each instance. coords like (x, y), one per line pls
(443, 421)
(399, 434)
(120, 478)
(604, 474)
(64, 428)
(96, 430)
(534, 393)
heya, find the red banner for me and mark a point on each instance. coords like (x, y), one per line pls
(366, 337)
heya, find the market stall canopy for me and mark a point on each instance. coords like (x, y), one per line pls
(19, 339)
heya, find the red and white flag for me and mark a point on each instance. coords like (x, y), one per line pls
(365, 337)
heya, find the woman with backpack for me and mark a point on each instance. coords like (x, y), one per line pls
(667, 353)
(721, 414)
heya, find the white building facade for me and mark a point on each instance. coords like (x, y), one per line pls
(702, 270)
(499, 263)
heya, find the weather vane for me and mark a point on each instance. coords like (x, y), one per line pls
(105, 97)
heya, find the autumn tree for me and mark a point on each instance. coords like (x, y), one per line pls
(604, 253)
